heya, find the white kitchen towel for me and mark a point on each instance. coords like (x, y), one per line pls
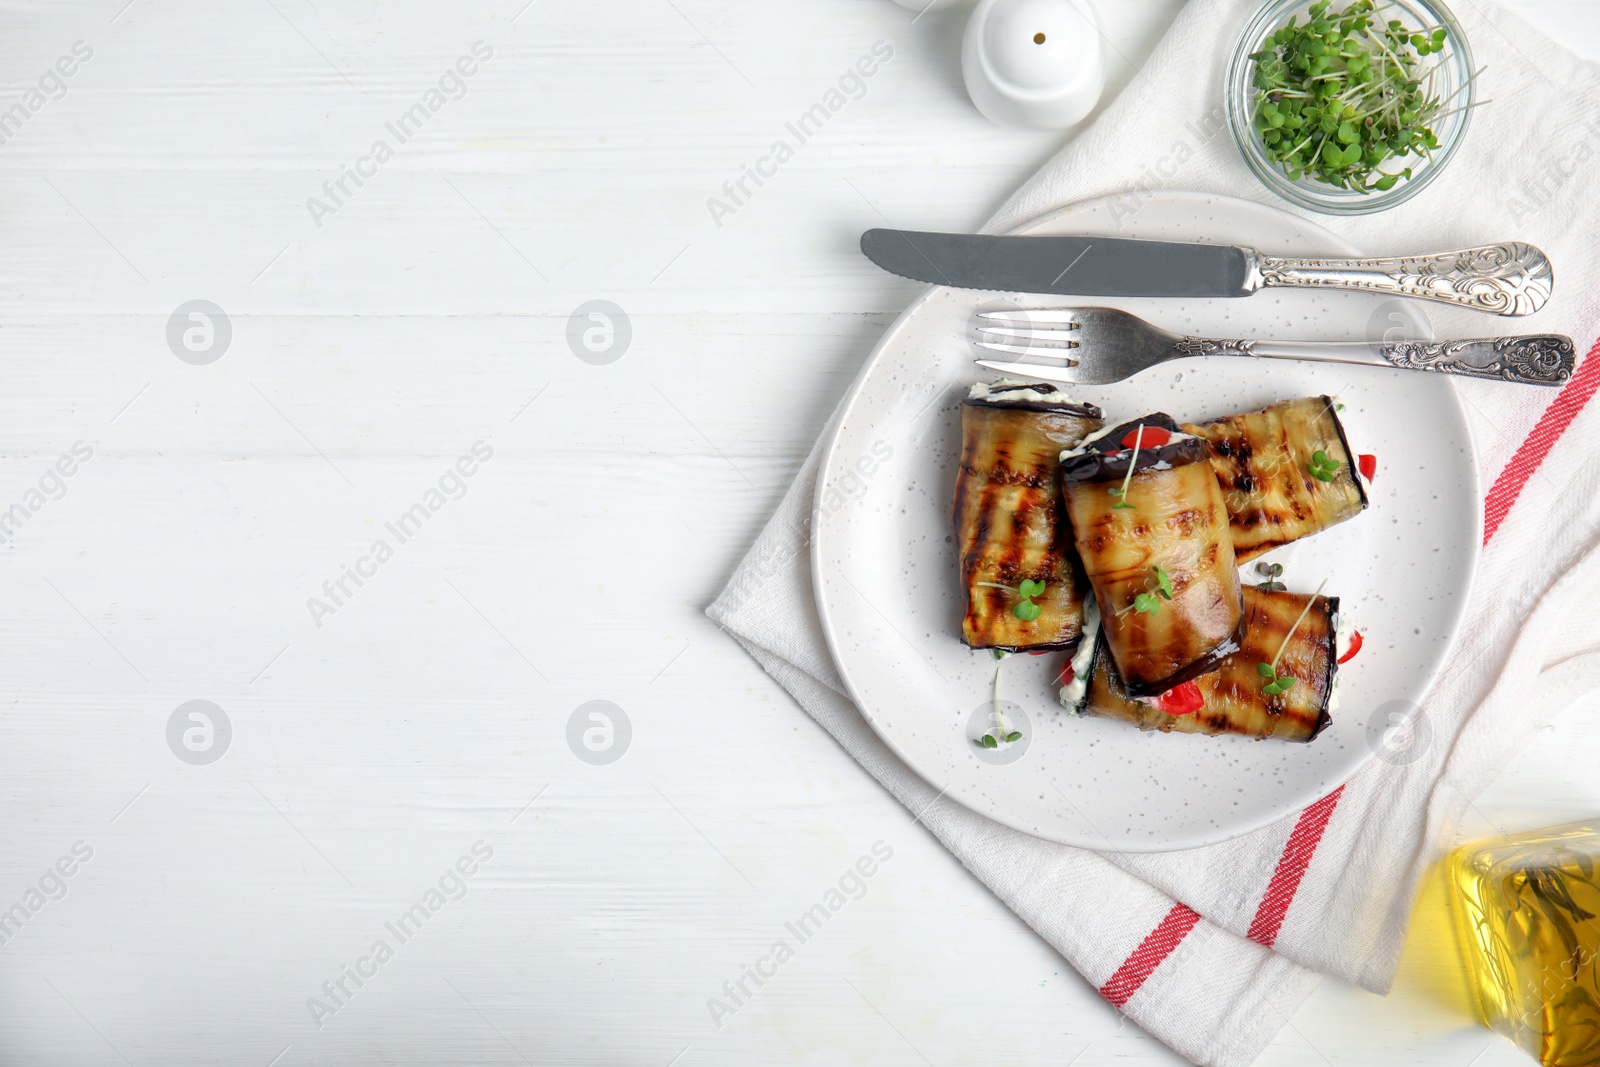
(1211, 949)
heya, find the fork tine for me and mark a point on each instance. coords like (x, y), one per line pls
(1059, 316)
(1046, 338)
(1028, 350)
(1031, 370)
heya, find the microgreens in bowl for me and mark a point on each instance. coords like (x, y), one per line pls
(1358, 99)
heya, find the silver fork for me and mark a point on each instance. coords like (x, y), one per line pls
(1098, 346)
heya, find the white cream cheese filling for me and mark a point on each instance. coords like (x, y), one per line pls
(1355, 460)
(1006, 389)
(1076, 691)
(1343, 628)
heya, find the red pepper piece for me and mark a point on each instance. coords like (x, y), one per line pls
(1067, 674)
(1368, 464)
(1153, 437)
(1355, 646)
(1182, 699)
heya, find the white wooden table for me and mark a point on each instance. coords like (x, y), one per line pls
(377, 730)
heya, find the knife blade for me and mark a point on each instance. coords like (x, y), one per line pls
(1064, 266)
(1511, 278)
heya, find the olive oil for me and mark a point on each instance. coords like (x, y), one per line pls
(1528, 913)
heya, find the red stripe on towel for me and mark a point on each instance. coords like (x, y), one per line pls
(1546, 432)
(1297, 853)
(1121, 987)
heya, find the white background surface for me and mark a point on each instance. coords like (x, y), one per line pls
(430, 711)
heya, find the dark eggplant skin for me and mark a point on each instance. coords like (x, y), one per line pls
(1233, 699)
(1261, 462)
(1008, 519)
(1178, 522)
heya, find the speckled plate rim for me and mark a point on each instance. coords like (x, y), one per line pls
(823, 533)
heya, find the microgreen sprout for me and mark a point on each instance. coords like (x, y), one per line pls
(1323, 467)
(1163, 583)
(1149, 601)
(1274, 684)
(1271, 572)
(1026, 609)
(1346, 92)
(1025, 591)
(1000, 733)
(1122, 493)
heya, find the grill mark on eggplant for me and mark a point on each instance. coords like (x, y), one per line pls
(983, 523)
(1030, 478)
(982, 601)
(1185, 522)
(1011, 564)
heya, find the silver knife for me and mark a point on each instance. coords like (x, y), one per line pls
(1512, 278)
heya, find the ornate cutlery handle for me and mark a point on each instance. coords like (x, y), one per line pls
(1542, 359)
(1538, 359)
(1506, 279)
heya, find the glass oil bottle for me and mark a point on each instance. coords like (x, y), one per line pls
(1528, 914)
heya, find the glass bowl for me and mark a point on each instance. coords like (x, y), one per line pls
(1453, 82)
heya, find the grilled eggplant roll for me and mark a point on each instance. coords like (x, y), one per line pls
(1233, 700)
(1008, 516)
(1156, 549)
(1274, 481)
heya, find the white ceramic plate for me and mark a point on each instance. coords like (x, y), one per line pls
(887, 583)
